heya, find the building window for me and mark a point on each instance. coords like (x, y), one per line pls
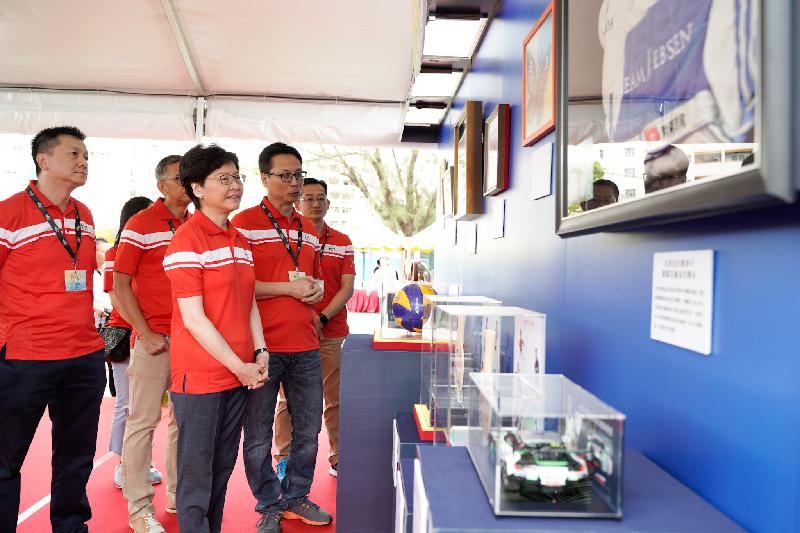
(630, 172)
(630, 194)
(629, 152)
(736, 155)
(601, 154)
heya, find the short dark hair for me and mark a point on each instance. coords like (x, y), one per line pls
(100, 239)
(199, 162)
(608, 183)
(314, 181)
(47, 139)
(266, 155)
(161, 167)
(131, 207)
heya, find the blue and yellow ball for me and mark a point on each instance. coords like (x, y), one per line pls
(411, 306)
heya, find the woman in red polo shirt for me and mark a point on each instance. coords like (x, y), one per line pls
(217, 348)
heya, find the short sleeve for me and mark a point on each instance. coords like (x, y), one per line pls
(349, 266)
(6, 235)
(108, 269)
(183, 265)
(131, 247)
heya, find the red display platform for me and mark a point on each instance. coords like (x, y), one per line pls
(402, 340)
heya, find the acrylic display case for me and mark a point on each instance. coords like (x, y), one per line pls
(390, 329)
(473, 338)
(544, 446)
(435, 329)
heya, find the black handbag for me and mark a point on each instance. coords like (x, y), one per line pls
(118, 343)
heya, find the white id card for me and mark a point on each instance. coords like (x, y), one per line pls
(321, 283)
(75, 280)
(294, 274)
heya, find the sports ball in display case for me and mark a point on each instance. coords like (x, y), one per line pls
(411, 306)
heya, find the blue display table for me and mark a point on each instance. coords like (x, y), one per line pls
(653, 501)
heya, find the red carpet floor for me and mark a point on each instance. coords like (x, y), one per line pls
(109, 508)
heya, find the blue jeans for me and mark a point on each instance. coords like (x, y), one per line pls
(301, 376)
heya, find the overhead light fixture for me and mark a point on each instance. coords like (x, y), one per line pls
(451, 37)
(435, 84)
(426, 115)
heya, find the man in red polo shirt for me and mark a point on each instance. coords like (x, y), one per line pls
(140, 255)
(285, 252)
(53, 356)
(338, 276)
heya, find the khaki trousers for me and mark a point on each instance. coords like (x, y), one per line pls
(330, 352)
(148, 377)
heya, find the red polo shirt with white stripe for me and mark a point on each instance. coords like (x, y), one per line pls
(204, 260)
(288, 322)
(115, 319)
(140, 254)
(336, 259)
(43, 320)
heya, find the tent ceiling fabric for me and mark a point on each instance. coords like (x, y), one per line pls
(308, 50)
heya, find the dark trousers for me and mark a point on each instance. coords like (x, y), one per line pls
(72, 390)
(301, 376)
(209, 430)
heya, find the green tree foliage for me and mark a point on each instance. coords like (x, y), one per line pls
(398, 186)
(597, 171)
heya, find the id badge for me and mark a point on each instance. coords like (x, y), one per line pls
(294, 274)
(75, 280)
(321, 283)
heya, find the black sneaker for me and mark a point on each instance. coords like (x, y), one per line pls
(334, 469)
(307, 511)
(269, 523)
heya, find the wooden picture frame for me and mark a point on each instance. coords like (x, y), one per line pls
(538, 78)
(468, 162)
(495, 151)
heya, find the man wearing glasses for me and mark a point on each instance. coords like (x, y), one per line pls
(149, 310)
(338, 276)
(285, 249)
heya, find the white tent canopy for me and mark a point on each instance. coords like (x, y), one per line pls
(303, 71)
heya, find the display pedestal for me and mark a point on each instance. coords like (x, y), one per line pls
(400, 339)
(654, 501)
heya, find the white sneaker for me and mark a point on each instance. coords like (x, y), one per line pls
(146, 523)
(118, 475)
(154, 477)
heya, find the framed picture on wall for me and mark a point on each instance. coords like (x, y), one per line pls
(468, 162)
(664, 118)
(446, 190)
(538, 79)
(495, 151)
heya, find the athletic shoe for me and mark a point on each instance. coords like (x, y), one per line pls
(307, 511)
(269, 523)
(146, 523)
(280, 468)
(118, 475)
(154, 477)
(333, 470)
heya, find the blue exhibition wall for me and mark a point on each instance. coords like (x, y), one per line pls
(727, 425)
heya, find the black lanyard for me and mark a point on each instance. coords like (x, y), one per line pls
(327, 238)
(171, 226)
(56, 230)
(295, 256)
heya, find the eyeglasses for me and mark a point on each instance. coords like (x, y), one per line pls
(176, 179)
(287, 177)
(228, 179)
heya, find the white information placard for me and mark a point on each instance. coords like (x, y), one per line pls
(683, 299)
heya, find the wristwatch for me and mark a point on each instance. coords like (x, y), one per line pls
(260, 350)
(323, 318)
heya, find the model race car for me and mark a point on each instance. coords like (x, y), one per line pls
(538, 466)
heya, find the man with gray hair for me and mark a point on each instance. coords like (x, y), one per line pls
(664, 167)
(149, 310)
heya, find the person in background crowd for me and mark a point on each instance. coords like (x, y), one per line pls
(140, 254)
(285, 252)
(119, 369)
(218, 345)
(53, 356)
(338, 277)
(665, 167)
(101, 302)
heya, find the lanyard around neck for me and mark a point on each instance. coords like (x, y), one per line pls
(60, 234)
(295, 256)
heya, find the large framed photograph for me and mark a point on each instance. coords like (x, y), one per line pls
(538, 78)
(495, 151)
(468, 162)
(662, 113)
